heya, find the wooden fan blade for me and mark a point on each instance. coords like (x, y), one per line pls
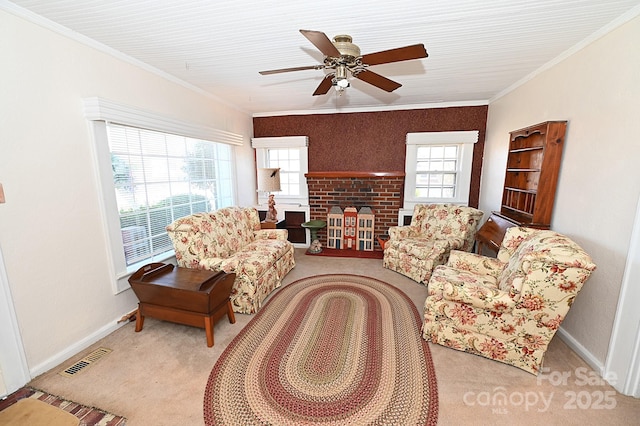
(324, 86)
(310, 67)
(322, 42)
(406, 53)
(377, 80)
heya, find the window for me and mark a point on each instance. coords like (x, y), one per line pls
(152, 170)
(160, 177)
(288, 160)
(438, 167)
(289, 153)
(436, 171)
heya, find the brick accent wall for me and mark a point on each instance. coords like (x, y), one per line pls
(383, 192)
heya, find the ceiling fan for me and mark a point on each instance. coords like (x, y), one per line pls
(343, 57)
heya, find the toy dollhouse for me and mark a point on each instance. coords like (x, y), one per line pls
(350, 223)
(334, 228)
(366, 220)
(350, 229)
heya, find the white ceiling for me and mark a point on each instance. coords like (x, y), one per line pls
(477, 48)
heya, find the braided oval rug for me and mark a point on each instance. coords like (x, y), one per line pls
(327, 350)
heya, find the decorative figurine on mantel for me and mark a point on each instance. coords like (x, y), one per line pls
(272, 213)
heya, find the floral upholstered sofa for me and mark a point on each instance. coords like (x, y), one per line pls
(230, 240)
(506, 308)
(435, 230)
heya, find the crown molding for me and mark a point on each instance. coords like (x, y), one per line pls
(43, 22)
(375, 109)
(622, 19)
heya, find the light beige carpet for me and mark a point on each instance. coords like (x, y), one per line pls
(31, 412)
(158, 376)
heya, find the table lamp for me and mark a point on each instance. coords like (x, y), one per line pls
(269, 181)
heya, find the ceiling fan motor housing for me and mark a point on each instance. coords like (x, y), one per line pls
(345, 47)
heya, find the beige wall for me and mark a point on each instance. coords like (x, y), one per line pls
(50, 228)
(597, 90)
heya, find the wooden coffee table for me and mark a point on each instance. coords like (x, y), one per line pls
(193, 297)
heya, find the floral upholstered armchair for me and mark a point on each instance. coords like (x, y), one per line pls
(506, 309)
(435, 230)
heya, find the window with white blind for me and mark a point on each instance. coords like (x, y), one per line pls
(160, 177)
(438, 167)
(153, 170)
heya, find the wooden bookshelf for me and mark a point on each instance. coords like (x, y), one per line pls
(531, 177)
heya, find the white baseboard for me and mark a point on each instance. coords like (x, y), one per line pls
(582, 352)
(76, 348)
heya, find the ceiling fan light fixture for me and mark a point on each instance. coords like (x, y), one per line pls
(340, 81)
(341, 84)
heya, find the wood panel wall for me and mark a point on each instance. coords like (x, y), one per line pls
(374, 141)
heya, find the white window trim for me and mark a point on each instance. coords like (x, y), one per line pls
(466, 138)
(261, 146)
(99, 111)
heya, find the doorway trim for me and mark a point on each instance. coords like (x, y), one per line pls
(622, 368)
(13, 362)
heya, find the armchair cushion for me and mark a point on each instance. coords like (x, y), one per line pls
(479, 295)
(419, 246)
(475, 263)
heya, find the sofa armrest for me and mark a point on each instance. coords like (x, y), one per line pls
(271, 234)
(211, 263)
(400, 232)
(475, 263)
(479, 296)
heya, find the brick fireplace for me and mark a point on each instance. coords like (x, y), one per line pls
(382, 191)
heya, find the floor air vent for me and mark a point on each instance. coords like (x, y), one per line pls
(85, 362)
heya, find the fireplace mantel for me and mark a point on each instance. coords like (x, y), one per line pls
(352, 174)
